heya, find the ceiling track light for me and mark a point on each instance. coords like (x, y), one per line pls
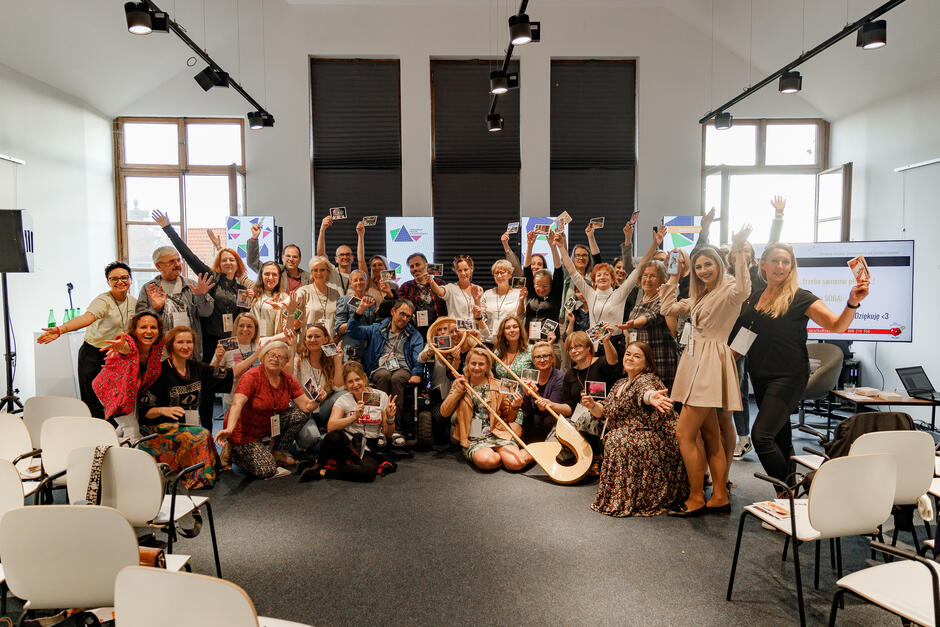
(790, 82)
(146, 17)
(501, 81)
(722, 120)
(494, 122)
(523, 31)
(872, 35)
(212, 77)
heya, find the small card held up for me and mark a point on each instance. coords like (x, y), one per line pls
(516, 282)
(441, 342)
(859, 268)
(242, 300)
(329, 349)
(338, 213)
(389, 275)
(562, 221)
(370, 220)
(541, 229)
(512, 227)
(436, 269)
(508, 386)
(595, 389)
(597, 223)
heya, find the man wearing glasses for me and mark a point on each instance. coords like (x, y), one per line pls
(344, 258)
(106, 318)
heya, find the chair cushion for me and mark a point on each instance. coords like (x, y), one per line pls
(176, 561)
(804, 530)
(813, 462)
(29, 487)
(903, 587)
(184, 505)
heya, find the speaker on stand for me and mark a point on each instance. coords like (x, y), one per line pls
(16, 255)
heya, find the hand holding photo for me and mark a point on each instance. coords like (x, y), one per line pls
(338, 213)
(859, 268)
(595, 389)
(512, 227)
(597, 223)
(571, 304)
(389, 275)
(442, 342)
(463, 324)
(508, 386)
(329, 349)
(229, 343)
(598, 332)
(541, 228)
(354, 302)
(672, 265)
(562, 221)
(371, 399)
(312, 388)
(241, 299)
(530, 375)
(549, 326)
(436, 269)
(516, 282)
(370, 220)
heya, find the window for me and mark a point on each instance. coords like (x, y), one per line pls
(593, 146)
(475, 173)
(191, 169)
(745, 166)
(356, 145)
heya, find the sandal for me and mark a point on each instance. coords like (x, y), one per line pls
(225, 457)
(398, 440)
(283, 459)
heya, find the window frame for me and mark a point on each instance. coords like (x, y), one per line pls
(760, 166)
(235, 173)
(844, 216)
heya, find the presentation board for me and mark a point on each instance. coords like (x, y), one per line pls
(238, 232)
(405, 236)
(681, 232)
(541, 242)
(886, 314)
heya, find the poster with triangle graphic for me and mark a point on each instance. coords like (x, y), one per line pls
(405, 236)
(681, 232)
(238, 232)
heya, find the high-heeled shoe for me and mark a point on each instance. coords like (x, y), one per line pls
(684, 512)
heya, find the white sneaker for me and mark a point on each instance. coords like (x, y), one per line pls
(743, 447)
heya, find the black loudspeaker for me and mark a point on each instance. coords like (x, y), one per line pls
(16, 241)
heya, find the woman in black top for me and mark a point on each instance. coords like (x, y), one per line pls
(778, 361)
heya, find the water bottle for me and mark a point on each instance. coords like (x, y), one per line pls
(71, 313)
(50, 322)
(65, 316)
(78, 312)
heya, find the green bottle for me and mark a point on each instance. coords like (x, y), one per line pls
(65, 316)
(78, 312)
(51, 321)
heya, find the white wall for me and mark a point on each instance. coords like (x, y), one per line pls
(890, 205)
(67, 186)
(674, 91)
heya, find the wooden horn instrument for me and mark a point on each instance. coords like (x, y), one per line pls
(545, 454)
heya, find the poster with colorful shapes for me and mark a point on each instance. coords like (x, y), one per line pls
(405, 236)
(681, 232)
(541, 242)
(238, 232)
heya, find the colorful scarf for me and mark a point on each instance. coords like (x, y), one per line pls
(119, 382)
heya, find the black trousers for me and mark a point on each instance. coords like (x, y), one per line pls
(90, 362)
(771, 436)
(335, 447)
(207, 399)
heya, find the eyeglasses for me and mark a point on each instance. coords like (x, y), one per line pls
(501, 272)
(541, 356)
(581, 256)
(345, 255)
(119, 279)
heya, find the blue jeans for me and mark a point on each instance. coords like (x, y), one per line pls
(742, 419)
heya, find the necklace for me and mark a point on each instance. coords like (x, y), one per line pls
(124, 313)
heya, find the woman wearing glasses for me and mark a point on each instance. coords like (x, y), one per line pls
(549, 393)
(501, 301)
(106, 318)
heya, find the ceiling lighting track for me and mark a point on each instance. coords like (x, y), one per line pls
(842, 34)
(181, 33)
(517, 24)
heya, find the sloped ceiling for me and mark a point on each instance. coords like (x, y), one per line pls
(84, 49)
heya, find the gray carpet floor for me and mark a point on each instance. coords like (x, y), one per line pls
(440, 543)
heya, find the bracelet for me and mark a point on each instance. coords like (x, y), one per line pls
(58, 331)
(851, 306)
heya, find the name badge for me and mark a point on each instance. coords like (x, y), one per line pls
(227, 322)
(275, 425)
(180, 319)
(191, 417)
(632, 335)
(476, 428)
(422, 318)
(742, 341)
(686, 334)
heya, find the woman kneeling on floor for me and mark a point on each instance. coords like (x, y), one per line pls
(261, 408)
(361, 418)
(642, 473)
(485, 442)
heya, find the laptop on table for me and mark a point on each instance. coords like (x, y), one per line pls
(916, 383)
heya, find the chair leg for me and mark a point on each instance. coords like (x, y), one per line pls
(839, 557)
(799, 581)
(914, 537)
(215, 545)
(836, 604)
(786, 545)
(3, 598)
(832, 554)
(816, 571)
(737, 550)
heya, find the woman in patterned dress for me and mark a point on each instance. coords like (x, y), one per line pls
(642, 473)
(648, 324)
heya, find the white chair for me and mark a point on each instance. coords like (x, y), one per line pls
(38, 408)
(65, 556)
(908, 588)
(11, 497)
(197, 600)
(849, 496)
(132, 483)
(61, 434)
(17, 447)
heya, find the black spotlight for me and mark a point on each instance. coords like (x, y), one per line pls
(494, 122)
(260, 119)
(211, 77)
(138, 18)
(522, 31)
(722, 120)
(501, 82)
(872, 35)
(790, 82)
(159, 22)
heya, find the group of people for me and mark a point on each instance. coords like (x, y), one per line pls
(314, 366)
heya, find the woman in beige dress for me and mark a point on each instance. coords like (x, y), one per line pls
(706, 379)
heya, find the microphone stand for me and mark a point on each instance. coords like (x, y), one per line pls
(70, 287)
(11, 401)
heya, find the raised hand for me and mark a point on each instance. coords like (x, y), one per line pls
(708, 218)
(560, 241)
(504, 238)
(740, 238)
(779, 203)
(661, 401)
(203, 285)
(660, 235)
(859, 292)
(589, 229)
(628, 229)
(636, 214)
(530, 238)
(523, 293)
(157, 296)
(255, 231)
(219, 354)
(392, 407)
(360, 228)
(214, 239)
(326, 222)
(160, 218)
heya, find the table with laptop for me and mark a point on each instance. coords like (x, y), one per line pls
(920, 393)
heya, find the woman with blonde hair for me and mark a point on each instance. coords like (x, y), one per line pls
(270, 305)
(321, 375)
(501, 301)
(778, 362)
(486, 443)
(707, 380)
(318, 299)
